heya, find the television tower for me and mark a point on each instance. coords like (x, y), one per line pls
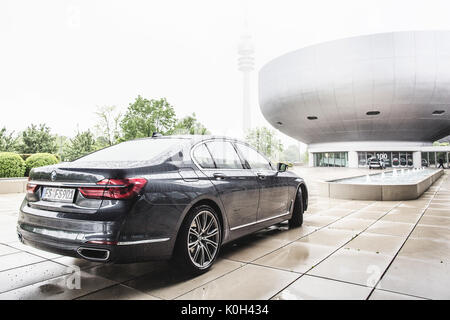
(246, 64)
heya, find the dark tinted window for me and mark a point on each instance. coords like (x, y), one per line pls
(224, 155)
(203, 157)
(135, 150)
(254, 158)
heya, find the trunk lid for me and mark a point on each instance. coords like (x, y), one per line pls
(69, 177)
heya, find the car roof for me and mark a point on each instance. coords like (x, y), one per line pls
(195, 138)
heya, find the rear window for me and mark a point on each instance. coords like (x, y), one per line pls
(136, 150)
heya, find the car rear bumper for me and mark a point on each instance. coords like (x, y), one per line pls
(136, 251)
(71, 237)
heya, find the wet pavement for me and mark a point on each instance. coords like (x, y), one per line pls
(345, 250)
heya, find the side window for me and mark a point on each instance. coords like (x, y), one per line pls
(254, 158)
(203, 157)
(224, 155)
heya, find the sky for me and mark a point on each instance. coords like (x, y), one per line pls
(61, 59)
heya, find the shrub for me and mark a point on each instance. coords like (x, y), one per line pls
(40, 160)
(11, 165)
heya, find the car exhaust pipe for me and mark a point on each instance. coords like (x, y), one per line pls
(93, 254)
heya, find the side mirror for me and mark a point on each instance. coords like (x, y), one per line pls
(281, 167)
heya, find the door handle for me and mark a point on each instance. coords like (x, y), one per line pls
(261, 176)
(219, 176)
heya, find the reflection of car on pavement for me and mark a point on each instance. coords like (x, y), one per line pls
(154, 198)
(424, 163)
(395, 162)
(376, 163)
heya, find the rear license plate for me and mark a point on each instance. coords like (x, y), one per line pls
(58, 194)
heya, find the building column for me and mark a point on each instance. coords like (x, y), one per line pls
(417, 159)
(310, 159)
(353, 159)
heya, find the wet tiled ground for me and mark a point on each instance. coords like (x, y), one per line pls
(345, 250)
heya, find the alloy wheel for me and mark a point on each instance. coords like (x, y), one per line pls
(203, 239)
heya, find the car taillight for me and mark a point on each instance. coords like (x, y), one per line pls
(31, 188)
(115, 189)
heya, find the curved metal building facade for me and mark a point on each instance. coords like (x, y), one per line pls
(367, 90)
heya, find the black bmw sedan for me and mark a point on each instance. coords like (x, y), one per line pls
(157, 198)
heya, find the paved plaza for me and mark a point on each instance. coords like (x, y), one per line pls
(344, 250)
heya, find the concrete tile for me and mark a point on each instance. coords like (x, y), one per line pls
(399, 229)
(18, 259)
(80, 263)
(372, 208)
(170, 283)
(318, 221)
(4, 249)
(247, 283)
(351, 224)
(442, 206)
(329, 237)
(118, 292)
(435, 221)
(314, 288)
(58, 289)
(355, 205)
(354, 267)
(406, 210)
(30, 274)
(438, 213)
(418, 278)
(125, 272)
(297, 256)
(428, 250)
(401, 217)
(385, 204)
(419, 204)
(284, 233)
(336, 212)
(44, 254)
(430, 232)
(368, 215)
(387, 295)
(376, 243)
(247, 250)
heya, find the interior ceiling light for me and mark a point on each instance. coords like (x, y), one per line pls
(312, 118)
(438, 112)
(372, 113)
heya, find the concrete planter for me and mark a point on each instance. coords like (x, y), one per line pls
(13, 185)
(378, 192)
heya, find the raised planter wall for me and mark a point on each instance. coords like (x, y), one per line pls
(11, 185)
(377, 192)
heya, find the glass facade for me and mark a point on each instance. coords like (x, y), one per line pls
(431, 159)
(331, 159)
(391, 159)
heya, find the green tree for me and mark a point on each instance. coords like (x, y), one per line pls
(265, 141)
(82, 144)
(291, 154)
(38, 139)
(8, 142)
(190, 125)
(144, 117)
(108, 125)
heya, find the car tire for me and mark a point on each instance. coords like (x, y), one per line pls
(197, 258)
(297, 213)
